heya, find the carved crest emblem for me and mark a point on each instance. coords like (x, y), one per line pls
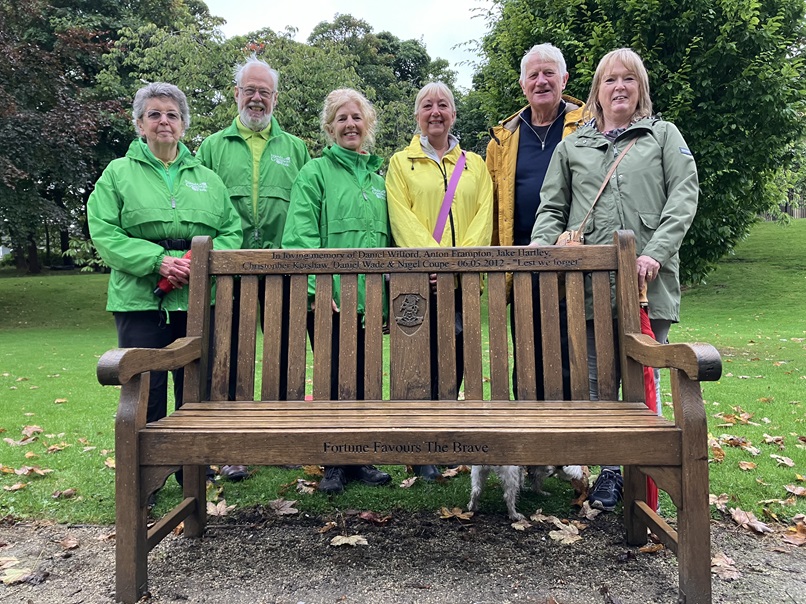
(409, 312)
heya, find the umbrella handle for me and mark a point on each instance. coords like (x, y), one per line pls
(642, 298)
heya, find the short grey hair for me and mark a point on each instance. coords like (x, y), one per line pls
(545, 52)
(438, 87)
(252, 61)
(160, 90)
(336, 100)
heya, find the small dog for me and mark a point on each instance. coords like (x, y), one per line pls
(511, 478)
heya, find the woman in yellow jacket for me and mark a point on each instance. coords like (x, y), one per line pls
(416, 185)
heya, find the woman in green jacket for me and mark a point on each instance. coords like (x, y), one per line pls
(339, 201)
(142, 214)
(653, 192)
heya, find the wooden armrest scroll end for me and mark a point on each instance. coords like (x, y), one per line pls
(698, 361)
(119, 365)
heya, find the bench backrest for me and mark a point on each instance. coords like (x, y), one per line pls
(404, 275)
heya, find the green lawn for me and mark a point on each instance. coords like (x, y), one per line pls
(54, 327)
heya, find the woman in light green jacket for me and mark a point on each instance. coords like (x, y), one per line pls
(142, 214)
(653, 192)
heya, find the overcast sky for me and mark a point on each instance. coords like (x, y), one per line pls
(439, 25)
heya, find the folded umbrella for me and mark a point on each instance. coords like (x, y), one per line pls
(649, 390)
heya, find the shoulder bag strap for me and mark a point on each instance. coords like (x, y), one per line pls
(439, 228)
(604, 184)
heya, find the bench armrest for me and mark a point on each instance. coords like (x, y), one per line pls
(700, 362)
(119, 365)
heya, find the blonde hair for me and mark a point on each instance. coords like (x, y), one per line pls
(336, 100)
(630, 59)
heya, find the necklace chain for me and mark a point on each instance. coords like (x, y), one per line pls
(541, 139)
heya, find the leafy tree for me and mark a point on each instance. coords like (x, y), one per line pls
(64, 130)
(727, 72)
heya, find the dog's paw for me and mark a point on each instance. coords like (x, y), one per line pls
(473, 506)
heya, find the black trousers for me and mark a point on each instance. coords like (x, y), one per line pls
(566, 364)
(334, 353)
(460, 343)
(236, 310)
(151, 329)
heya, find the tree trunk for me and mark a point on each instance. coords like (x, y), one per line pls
(34, 267)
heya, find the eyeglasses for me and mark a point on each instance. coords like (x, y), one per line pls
(171, 116)
(264, 93)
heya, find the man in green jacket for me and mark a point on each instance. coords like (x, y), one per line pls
(258, 162)
(518, 157)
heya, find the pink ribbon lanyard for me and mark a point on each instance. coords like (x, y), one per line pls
(439, 229)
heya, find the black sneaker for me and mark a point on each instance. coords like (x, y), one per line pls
(606, 492)
(334, 480)
(368, 475)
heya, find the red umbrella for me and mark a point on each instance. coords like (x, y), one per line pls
(649, 391)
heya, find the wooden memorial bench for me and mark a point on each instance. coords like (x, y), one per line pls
(405, 427)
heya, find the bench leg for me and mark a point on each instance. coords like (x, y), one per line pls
(693, 516)
(634, 489)
(131, 512)
(194, 485)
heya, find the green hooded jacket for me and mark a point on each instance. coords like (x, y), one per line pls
(228, 155)
(338, 201)
(654, 193)
(137, 202)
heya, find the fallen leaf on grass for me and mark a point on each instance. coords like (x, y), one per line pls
(723, 567)
(749, 521)
(20, 443)
(16, 487)
(66, 494)
(747, 465)
(327, 527)
(567, 533)
(720, 502)
(56, 448)
(283, 507)
(69, 542)
(375, 518)
(783, 461)
(795, 490)
(652, 548)
(458, 513)
(313, 470)
(452, 472)
(60, 401)
(521, 525)
(774, 440)
(717, 452)
(30, 470)
(408, 482)
(351, 540)
(109, 462)
(219, 509)
(31, 430)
